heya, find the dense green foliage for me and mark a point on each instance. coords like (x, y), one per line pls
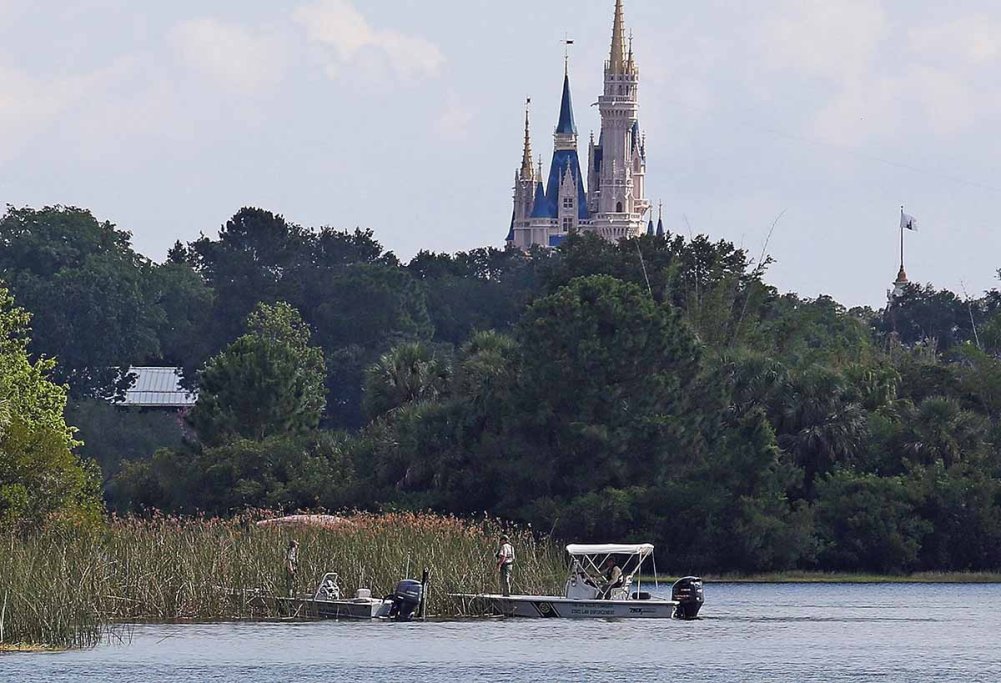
(654, 389)
(269, 382)
(41, 479)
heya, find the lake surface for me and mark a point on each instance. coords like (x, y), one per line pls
(762, 632)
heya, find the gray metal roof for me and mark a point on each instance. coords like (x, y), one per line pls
(158, 387)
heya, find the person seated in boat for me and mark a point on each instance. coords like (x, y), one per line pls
(613, 579)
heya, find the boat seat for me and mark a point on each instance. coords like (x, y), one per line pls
(621, 592)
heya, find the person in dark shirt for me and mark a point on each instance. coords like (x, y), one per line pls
(613, 579)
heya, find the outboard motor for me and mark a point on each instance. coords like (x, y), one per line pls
(689, 595)
(406, 599)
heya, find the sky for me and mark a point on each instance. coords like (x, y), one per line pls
(807, 120)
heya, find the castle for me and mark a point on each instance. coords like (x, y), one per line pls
(613, 202)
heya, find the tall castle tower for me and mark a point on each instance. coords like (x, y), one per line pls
(615, 204)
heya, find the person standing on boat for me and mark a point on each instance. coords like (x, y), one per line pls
(613, 579)
(291, 566)
(505, 561)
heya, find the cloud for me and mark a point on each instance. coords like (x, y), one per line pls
(339, 26)
(834, 40)
(975, 39)
(31, 105)
(454, 120)
(877, 78)
(237, 56)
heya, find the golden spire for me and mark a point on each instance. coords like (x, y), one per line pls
(526, 156)
(617, 60)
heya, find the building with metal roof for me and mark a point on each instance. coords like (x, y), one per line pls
(158, 387)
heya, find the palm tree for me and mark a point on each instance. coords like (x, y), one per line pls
(820, 423)
(409, 373)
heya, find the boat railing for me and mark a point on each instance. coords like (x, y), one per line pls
(328, 589)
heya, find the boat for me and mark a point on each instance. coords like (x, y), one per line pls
(586, 597)
(326, 602)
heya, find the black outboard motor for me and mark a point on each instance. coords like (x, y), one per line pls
(689, 595)
(406, 599)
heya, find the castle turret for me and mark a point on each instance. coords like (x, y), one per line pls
(617, 193)
(612, 203)
(898, 285)
(565, 187)
(525, 181)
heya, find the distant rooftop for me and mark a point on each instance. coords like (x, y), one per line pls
(157, 387)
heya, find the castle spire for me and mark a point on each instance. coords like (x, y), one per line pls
(617, 59)
(526, 156)
(566, 125)
(660, 220)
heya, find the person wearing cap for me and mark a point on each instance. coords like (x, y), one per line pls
(612, 579)
(505, 561)
(291, 566)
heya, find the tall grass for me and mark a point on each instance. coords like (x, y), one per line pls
(67, 587)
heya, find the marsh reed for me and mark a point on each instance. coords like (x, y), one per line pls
(67, 587)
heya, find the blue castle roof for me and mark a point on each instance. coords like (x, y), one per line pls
(540, 207)
(562, 159)
(566, 125)
(510, 231)
(545, 204)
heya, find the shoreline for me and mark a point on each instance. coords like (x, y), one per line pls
(22, 648)
(808, 577)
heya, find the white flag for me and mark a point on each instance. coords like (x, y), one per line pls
(908, 222)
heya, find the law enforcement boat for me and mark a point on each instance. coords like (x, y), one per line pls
(588, 595)
(403, 604)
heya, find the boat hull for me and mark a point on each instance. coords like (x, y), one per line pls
(545, 607)
(334, 609)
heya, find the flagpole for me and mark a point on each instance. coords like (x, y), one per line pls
(901, 237)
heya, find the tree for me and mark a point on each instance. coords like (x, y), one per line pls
(284, 471)
(820, 422)
(268, 382)
(484, 289)
(868, 523)
(600, 396)
(41, 479)
(248, 264)
(88, 291)
(365, 310)
(112, 434)
(925, 314)
(185, 329)
(408, 373)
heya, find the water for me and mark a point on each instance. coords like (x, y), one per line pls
(833, 632)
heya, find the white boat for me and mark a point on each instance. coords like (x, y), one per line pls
(326, 602)
(586, 597)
